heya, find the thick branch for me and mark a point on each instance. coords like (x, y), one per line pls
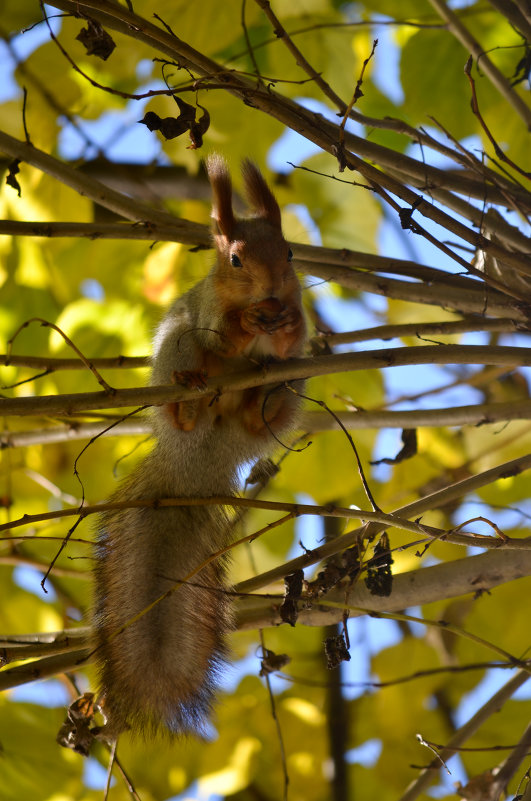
(190, 233)
(451, 291)
(415, 509)
(446, 580)
(311, 422)
(43, 668)
(385, 332)
(269, 374)
(24, 646)
(315, 128)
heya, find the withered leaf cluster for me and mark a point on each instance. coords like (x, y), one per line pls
(409, 448)
(379, 580)
(78, 731)
(289, 611)
(336, 651)
(11, 179)
(96, 40)
(171, 127)
(272, 662)
(340, 566)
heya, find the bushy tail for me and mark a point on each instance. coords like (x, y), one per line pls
(159, 643)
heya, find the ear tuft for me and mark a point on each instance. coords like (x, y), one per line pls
(219, 177)
(259, 194)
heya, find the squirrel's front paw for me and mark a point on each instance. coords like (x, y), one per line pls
(183, 414)
(265, 317)
(191, 379)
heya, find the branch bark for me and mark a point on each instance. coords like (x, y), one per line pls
(448, 580)
(473, 574)
(273, 373)
(315, 128)
(311, 422)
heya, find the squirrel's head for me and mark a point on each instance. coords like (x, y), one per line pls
(253, 256)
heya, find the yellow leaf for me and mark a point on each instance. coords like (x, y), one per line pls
(304, 710)
(235, 776)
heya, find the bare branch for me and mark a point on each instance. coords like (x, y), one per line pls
(43, 668)
(269, 374)
(455, 292)
(416, 587)
(311, 422)
(491, 707)
(432, 501)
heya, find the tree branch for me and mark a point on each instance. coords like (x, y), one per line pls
(473, 574)
(311, 422)
(452, 291)
(273, 373)
(190, 233)
(312, 126)
(434, 500)
(384, 332)
(446, 580)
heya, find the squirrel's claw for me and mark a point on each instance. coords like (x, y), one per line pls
(191, 379)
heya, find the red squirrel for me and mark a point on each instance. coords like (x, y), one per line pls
(158, 670)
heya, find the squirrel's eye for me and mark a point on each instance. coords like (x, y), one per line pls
(235, 261)
(290, 255)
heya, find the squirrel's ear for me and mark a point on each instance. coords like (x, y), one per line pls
(259, 194)
(219, 177)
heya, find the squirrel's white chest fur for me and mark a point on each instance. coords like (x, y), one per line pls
(261, 345)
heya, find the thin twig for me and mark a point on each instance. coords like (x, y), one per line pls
(498, 80)
(250, 49)
(274, 715)
(336, 417)
(46, 324)
(112, 755)
(475, 109)
(80, 511)
(356, 94)
(281, 33)
(491, 707)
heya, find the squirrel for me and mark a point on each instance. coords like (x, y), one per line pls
(158, 664)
